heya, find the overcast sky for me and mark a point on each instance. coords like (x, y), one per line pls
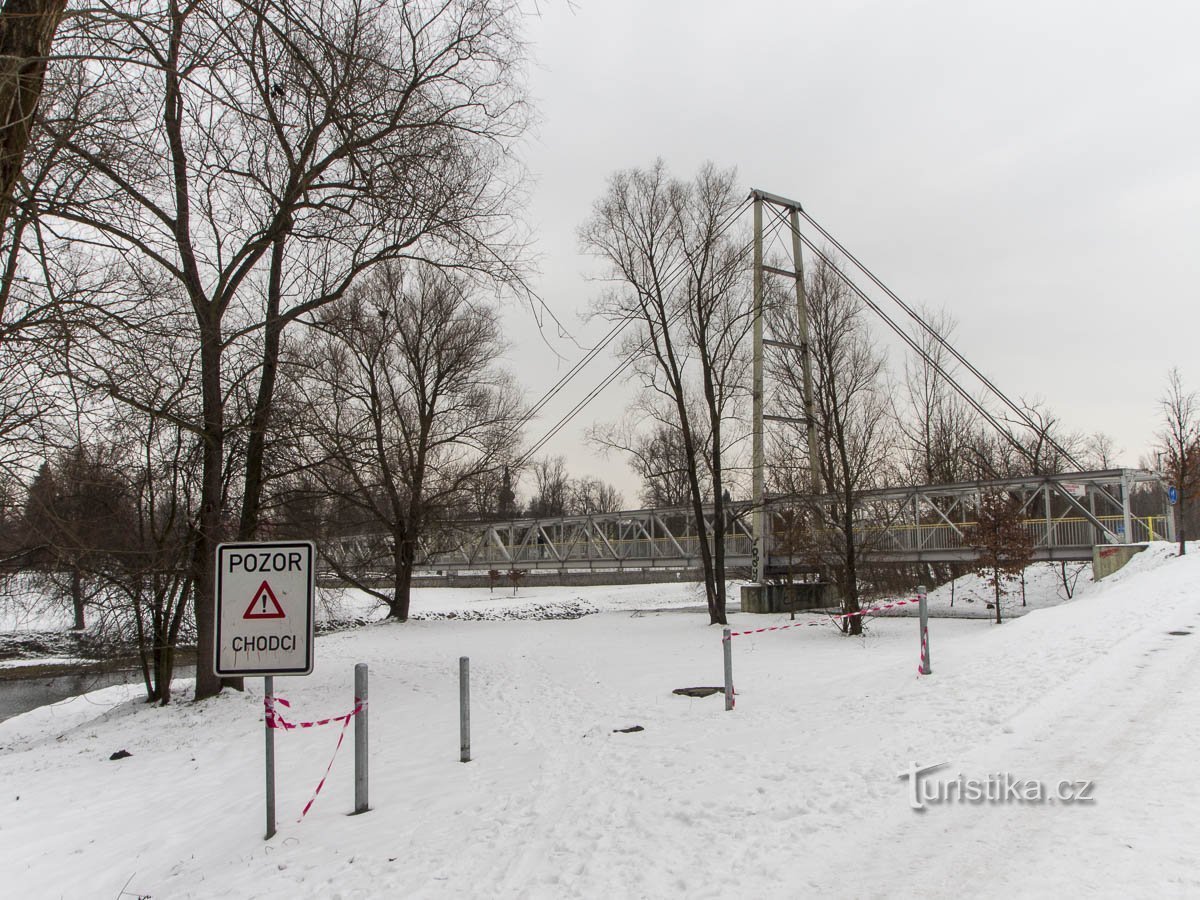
(1034, 168)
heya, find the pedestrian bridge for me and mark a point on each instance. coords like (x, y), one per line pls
(1064, 516)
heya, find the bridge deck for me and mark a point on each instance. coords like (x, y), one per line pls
(1065, 516)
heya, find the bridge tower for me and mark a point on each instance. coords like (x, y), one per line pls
(786, 211)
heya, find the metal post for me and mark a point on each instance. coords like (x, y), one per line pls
(758, 481)
(727, 644)
(464, 708)
(926, 668)
(361, 804)
(1091, 495)
(1126, 512)
(268, 720)
(810, 414)
(1049, 517)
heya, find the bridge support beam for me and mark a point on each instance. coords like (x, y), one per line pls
(758, 555)
(799, 344)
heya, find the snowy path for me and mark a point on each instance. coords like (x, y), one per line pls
(794, 793)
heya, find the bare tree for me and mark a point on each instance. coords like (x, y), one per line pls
(1100, 451)
(1179, 442)
(551, 486)
(1048, 447)
(149, 582)
(406, 408)
(1036, 444)
(556, 493)
(656, 455)
(853, 414)
(936, 425)
(591, 496)
(680, 277)
(245, 163)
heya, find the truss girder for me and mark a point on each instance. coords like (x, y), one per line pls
(914, 523)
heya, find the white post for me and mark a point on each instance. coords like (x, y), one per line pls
(926, 668)
(360, 739)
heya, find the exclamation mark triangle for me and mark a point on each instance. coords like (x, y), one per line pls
(260, 608)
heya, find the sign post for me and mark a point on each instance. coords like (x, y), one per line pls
(269, 730)
(266, 593)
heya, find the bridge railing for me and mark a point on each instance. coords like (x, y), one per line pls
(898, 538)
(595, 550)
(1064, 532)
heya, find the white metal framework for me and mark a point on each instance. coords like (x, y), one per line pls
(1065, 516)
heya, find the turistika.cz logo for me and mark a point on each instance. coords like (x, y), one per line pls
(999, 787)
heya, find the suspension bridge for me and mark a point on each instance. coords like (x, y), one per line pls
(1065, 515)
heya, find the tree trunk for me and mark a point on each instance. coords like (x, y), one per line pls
(167, 664)
(715, 616)
(404, 561)
(717, 613)
(719, 513)
(257, 441)
(996, 588)
(27, 30)
(144, 650)
(850, 601)
(77, 598)
(208, 534)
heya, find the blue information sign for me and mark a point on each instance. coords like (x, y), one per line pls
(1172, 495)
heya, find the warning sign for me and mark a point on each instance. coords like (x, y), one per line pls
(258, 608)
(265, 595)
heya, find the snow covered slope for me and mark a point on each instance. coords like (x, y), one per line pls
(794, 793)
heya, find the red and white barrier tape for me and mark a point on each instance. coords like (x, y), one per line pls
(275, 720)
(862, 612)
(924, 651)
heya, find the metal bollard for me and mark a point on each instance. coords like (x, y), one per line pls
(360, 739)
(925, 667)
(727, 642)
(464, 709)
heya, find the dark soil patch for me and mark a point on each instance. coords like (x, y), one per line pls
(698, 691)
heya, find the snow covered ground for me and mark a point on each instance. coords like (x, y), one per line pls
(537, 602)
(970, 595)
(794, 793)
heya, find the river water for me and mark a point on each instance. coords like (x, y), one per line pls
(18, 695)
